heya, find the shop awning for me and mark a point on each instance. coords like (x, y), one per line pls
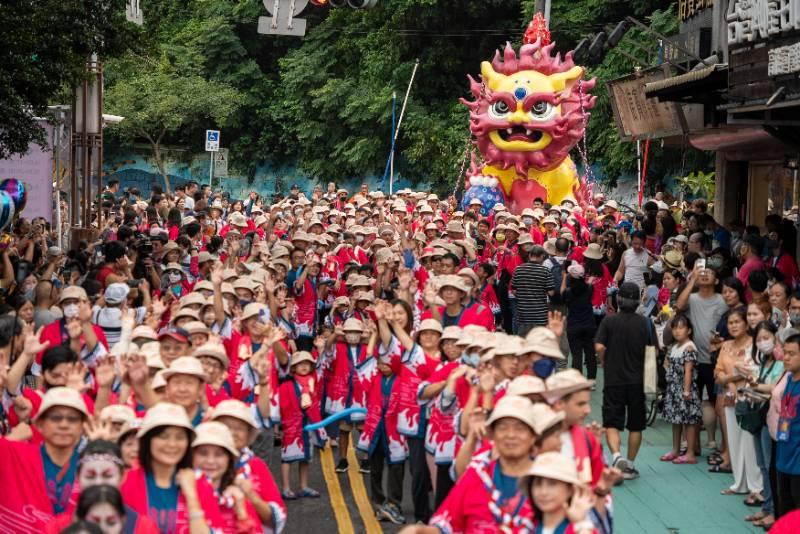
(684, 87)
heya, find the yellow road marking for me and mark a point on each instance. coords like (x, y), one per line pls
(360, 494)
(343, 521)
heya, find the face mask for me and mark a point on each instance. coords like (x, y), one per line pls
(174, 278)
(471, 359)
(243, 303)
(428, 218)
(714, 263)
(352, 338)
(359, 238)
(564, 216)
(527, 220)
(544, 368)
(500, 237)
(766, 347)
(708, 232)
(794, 318)
(29, 293)
(70, 311)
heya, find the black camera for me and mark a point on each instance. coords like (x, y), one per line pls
(144, 248)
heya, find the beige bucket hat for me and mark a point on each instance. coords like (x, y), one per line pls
(515, 407)
(526, 385)
(185, 365)
(62, 396)
(552, 465)
(212, 350)
(565, 382)
(236, 409)
(542, 340)
(215, 433)
(353, 325)
(301, 356)
(165, 414)
(545, 418)
(430, 324)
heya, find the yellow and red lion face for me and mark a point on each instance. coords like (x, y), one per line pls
(527, 109)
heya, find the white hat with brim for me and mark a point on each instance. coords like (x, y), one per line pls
(165, 414)
(300, 357)
(236, 409)
(62, 397)
(564, 383)
(431, 325)
(252, 310)
(213, 350)
(158, 380)
(185, 365)
(353, 325)
(593, 252)
(545, 418)
(453, 281)
(552, 465)
(72, 293)
(526, 385)
(117, 413)
(541, 340)
(214, 433)
(514, 407)
(453, 333)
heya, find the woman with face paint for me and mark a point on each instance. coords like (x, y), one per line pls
(100, 473)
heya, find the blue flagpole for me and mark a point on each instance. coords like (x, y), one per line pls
(390, 160)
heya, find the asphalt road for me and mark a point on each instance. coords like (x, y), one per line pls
(344, 505)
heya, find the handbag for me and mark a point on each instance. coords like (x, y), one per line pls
(650, 377)
(752, 414)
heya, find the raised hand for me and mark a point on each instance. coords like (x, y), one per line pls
(74, 328)
(96, 429)
(216, 275)
(582, 501)
(319, 344)
(186, 480)
(104, 372)
(159, 308)
(429, 295)
(23, 407)
(404, 278)
(84, 311)
(76, 377)
(32, 346)
(138, 374)
(555, 322)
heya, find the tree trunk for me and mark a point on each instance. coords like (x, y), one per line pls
(161, 168)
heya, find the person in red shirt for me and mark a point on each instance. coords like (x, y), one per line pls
(43, 477)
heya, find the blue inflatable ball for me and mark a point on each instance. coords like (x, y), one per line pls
(489, 196)
(7, 210)
(17, 191)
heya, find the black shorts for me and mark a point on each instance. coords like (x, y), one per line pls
(705, 380)
(621, 400)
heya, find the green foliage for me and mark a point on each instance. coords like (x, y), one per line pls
(157, 100)
(698, 183)
(46, 45)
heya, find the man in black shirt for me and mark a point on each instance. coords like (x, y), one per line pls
(620, 343)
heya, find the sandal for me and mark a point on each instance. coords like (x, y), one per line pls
(758, 516)
(719, 468)
(753, 500)
(714, 459)
(308, 493)
(683, 459)
(669, 457)
(289, 495)
(763, 520)
(727, 491)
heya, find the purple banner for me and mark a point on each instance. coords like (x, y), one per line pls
(35, 169)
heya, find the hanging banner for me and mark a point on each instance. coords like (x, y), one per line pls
(35, 170)
(639, 117)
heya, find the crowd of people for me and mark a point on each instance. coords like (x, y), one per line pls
(137, 369)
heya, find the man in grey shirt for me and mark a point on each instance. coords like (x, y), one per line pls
(705, 308)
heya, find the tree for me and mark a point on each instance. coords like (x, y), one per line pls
(47, 43)
(156, 100)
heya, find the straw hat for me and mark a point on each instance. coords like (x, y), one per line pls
(353, 325)
(117, 413)
(212, 350)
(452, 332)
(185, 365)
(252, 310)
(214, 433)
(144, 332)
(545, 418)
(72, 293)
(430, 324)
(196, 327)
(61, 396)
(192, 299)
(514, 407)
(236, 409)
(165, 414)
(186, 312)
(453, 281)
(543, 341)
(203, 285)
(301, 356)
(673, 260)
(526, 385)
(566, 382)
(552, 465)
(158, 380)
(593, 252)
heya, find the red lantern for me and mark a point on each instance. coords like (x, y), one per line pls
(537, 29)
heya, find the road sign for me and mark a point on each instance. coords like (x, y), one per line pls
(212, 140)
(221, 163)
(282, 21)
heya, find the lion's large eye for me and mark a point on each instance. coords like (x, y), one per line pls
(499, 110)
(541, 111)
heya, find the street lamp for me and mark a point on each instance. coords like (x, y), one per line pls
(87, 147)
